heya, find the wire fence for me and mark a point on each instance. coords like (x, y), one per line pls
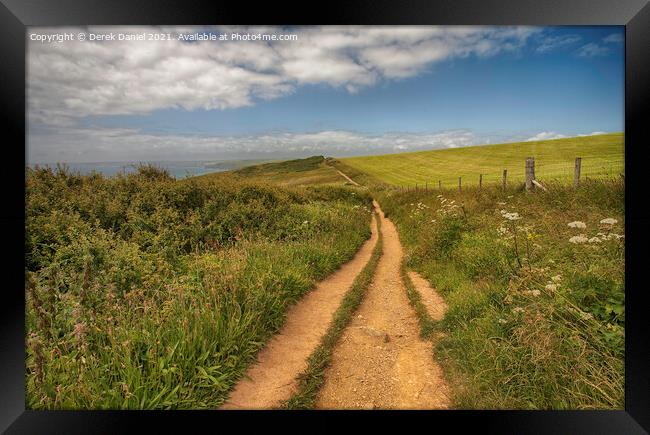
(563, 172)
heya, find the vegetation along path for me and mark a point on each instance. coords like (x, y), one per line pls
(272, 380)
(381, 361)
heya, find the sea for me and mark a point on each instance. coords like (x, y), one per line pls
(177, 169)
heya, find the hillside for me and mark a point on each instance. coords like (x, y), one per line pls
(299, 172)
(602, 156)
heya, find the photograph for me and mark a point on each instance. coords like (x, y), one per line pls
(335, 217)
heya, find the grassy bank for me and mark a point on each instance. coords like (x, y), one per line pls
(536, 306)
(602, 157)
(146, 293)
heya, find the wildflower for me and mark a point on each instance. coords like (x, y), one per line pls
(433, 220)
(503, 321)
(556, 278)
(509, 196)
(578, 239)
(551, 287)
(501, 203)
(577, 224)
(586, 316)
(594, 240)
(305, 222)
(512, 216)
(517, 310)
(608, 221)
(535, 292)
(502, 231)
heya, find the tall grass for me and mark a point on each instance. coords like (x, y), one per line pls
(144, 292)
(534, 320)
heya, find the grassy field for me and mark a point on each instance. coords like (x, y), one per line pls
(536, 312)
(144, 292)
(602, 155)
(314, 170)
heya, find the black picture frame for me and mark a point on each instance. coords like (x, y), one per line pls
(16, 15)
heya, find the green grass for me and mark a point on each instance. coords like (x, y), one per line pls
(602, 156)
(314, 170)
(509, 340)
(312, 379)
(144, 292)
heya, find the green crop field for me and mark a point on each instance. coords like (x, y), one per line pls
(602, 156)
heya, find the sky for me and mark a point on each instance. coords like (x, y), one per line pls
(332, 90)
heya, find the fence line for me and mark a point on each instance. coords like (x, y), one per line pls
(529, 175)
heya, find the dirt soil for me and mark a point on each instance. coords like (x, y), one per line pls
(272, 379)
(348, 178)
(435, 304)
(381, 362)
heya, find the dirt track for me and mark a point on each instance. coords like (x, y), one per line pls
(381, 362)
(272, 379)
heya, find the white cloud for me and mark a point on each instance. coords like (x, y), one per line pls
(550, 43)
(111, 144)
(594, 133)
(592, 49)
(545, 135)
(614, 38)
(73, 79)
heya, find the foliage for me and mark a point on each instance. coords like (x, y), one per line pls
(534, 283)
(144, 292)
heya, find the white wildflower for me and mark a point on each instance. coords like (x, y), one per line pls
(608, 221)
(594, 240)
(535, 292)
(517, 310)
(578, 239)
(551, 287)
(512, 216)
(501, 203)
(556, 278)
(509, 196)
(577, 224)
(503, 321)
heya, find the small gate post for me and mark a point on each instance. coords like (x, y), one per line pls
(576, 174)
(530, 172)
(503, 181)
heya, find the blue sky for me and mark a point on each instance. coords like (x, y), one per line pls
(335, 91)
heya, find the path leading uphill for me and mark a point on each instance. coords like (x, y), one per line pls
(381, 361)
(272, 379)
(348, 178)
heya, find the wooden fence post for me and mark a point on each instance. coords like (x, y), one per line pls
(426, 186)
(439, 184)
(416, 187)
(503, 181)
(480, 181)
(530, 172)
(576, 174)
(459, 185)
